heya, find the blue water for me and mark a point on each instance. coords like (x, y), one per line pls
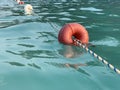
(31, 58)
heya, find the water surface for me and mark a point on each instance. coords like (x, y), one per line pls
(32, 58)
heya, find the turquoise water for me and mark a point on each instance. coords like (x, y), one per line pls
(31, 58)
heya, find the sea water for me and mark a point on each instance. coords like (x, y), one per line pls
(31, 58)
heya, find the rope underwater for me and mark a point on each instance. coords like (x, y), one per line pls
(96, 56)
(48, 20)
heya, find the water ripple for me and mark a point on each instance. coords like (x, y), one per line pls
(109, 41)
(91, 9)
(29, 54)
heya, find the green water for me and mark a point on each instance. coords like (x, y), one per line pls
(31, 58)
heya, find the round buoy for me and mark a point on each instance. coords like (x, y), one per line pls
(28, 9)
(71, 31)
(20, 2)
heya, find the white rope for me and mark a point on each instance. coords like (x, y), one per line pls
(96, 56)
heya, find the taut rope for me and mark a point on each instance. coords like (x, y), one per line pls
(96, 56)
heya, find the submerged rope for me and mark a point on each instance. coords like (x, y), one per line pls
(96, 56)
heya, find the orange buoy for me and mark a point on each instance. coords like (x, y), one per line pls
(73, 30)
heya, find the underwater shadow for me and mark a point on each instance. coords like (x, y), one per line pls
(29, 54)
